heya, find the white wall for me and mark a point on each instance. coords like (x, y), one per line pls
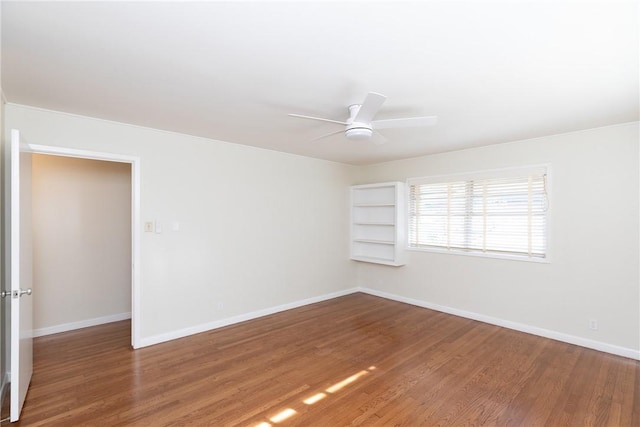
(82, 240)
(594, 241)
(257, 228)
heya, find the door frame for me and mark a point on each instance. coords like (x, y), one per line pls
(134, 161)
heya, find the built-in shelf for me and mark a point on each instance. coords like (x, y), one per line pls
(379, 242)
(375, 260)
(377, 223)
(373, 205)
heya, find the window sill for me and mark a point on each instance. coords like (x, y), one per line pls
(482, 255)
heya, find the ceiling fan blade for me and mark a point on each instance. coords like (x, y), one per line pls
(318, 118)
(327, 135)
(405, 123)
(370, 107)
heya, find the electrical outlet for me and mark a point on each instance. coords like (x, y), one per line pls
(593, 324)
(148, 227)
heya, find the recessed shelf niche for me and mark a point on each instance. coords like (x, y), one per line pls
(378, 223)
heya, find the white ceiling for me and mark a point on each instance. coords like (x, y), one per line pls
(492, 71)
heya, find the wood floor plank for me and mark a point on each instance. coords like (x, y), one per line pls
(354, 360)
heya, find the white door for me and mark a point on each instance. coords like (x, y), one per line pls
(21, 275)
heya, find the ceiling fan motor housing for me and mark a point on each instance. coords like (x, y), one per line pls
(355, 130)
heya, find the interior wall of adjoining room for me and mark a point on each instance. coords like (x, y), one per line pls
(593, 270)
(82, 241)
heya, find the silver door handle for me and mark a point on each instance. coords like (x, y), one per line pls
(16, 294)
(21, 292)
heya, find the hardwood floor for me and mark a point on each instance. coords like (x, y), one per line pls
(355, 360)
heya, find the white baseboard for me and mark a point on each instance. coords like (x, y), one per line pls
(81, 324)
(554, 335)
(181, 333)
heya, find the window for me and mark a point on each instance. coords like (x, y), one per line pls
(497, 213)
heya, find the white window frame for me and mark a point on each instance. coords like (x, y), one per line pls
(479, 175)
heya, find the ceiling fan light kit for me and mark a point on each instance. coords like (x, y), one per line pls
(358, 133)
(360, 124)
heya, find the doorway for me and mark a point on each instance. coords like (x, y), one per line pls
(119, 161)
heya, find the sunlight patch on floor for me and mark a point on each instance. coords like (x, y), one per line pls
(345, 382)
(290, 412)
(315, 398)
(283, 415)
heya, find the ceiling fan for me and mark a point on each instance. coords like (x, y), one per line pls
(360, 124)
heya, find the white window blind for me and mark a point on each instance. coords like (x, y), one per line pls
(492, 213)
